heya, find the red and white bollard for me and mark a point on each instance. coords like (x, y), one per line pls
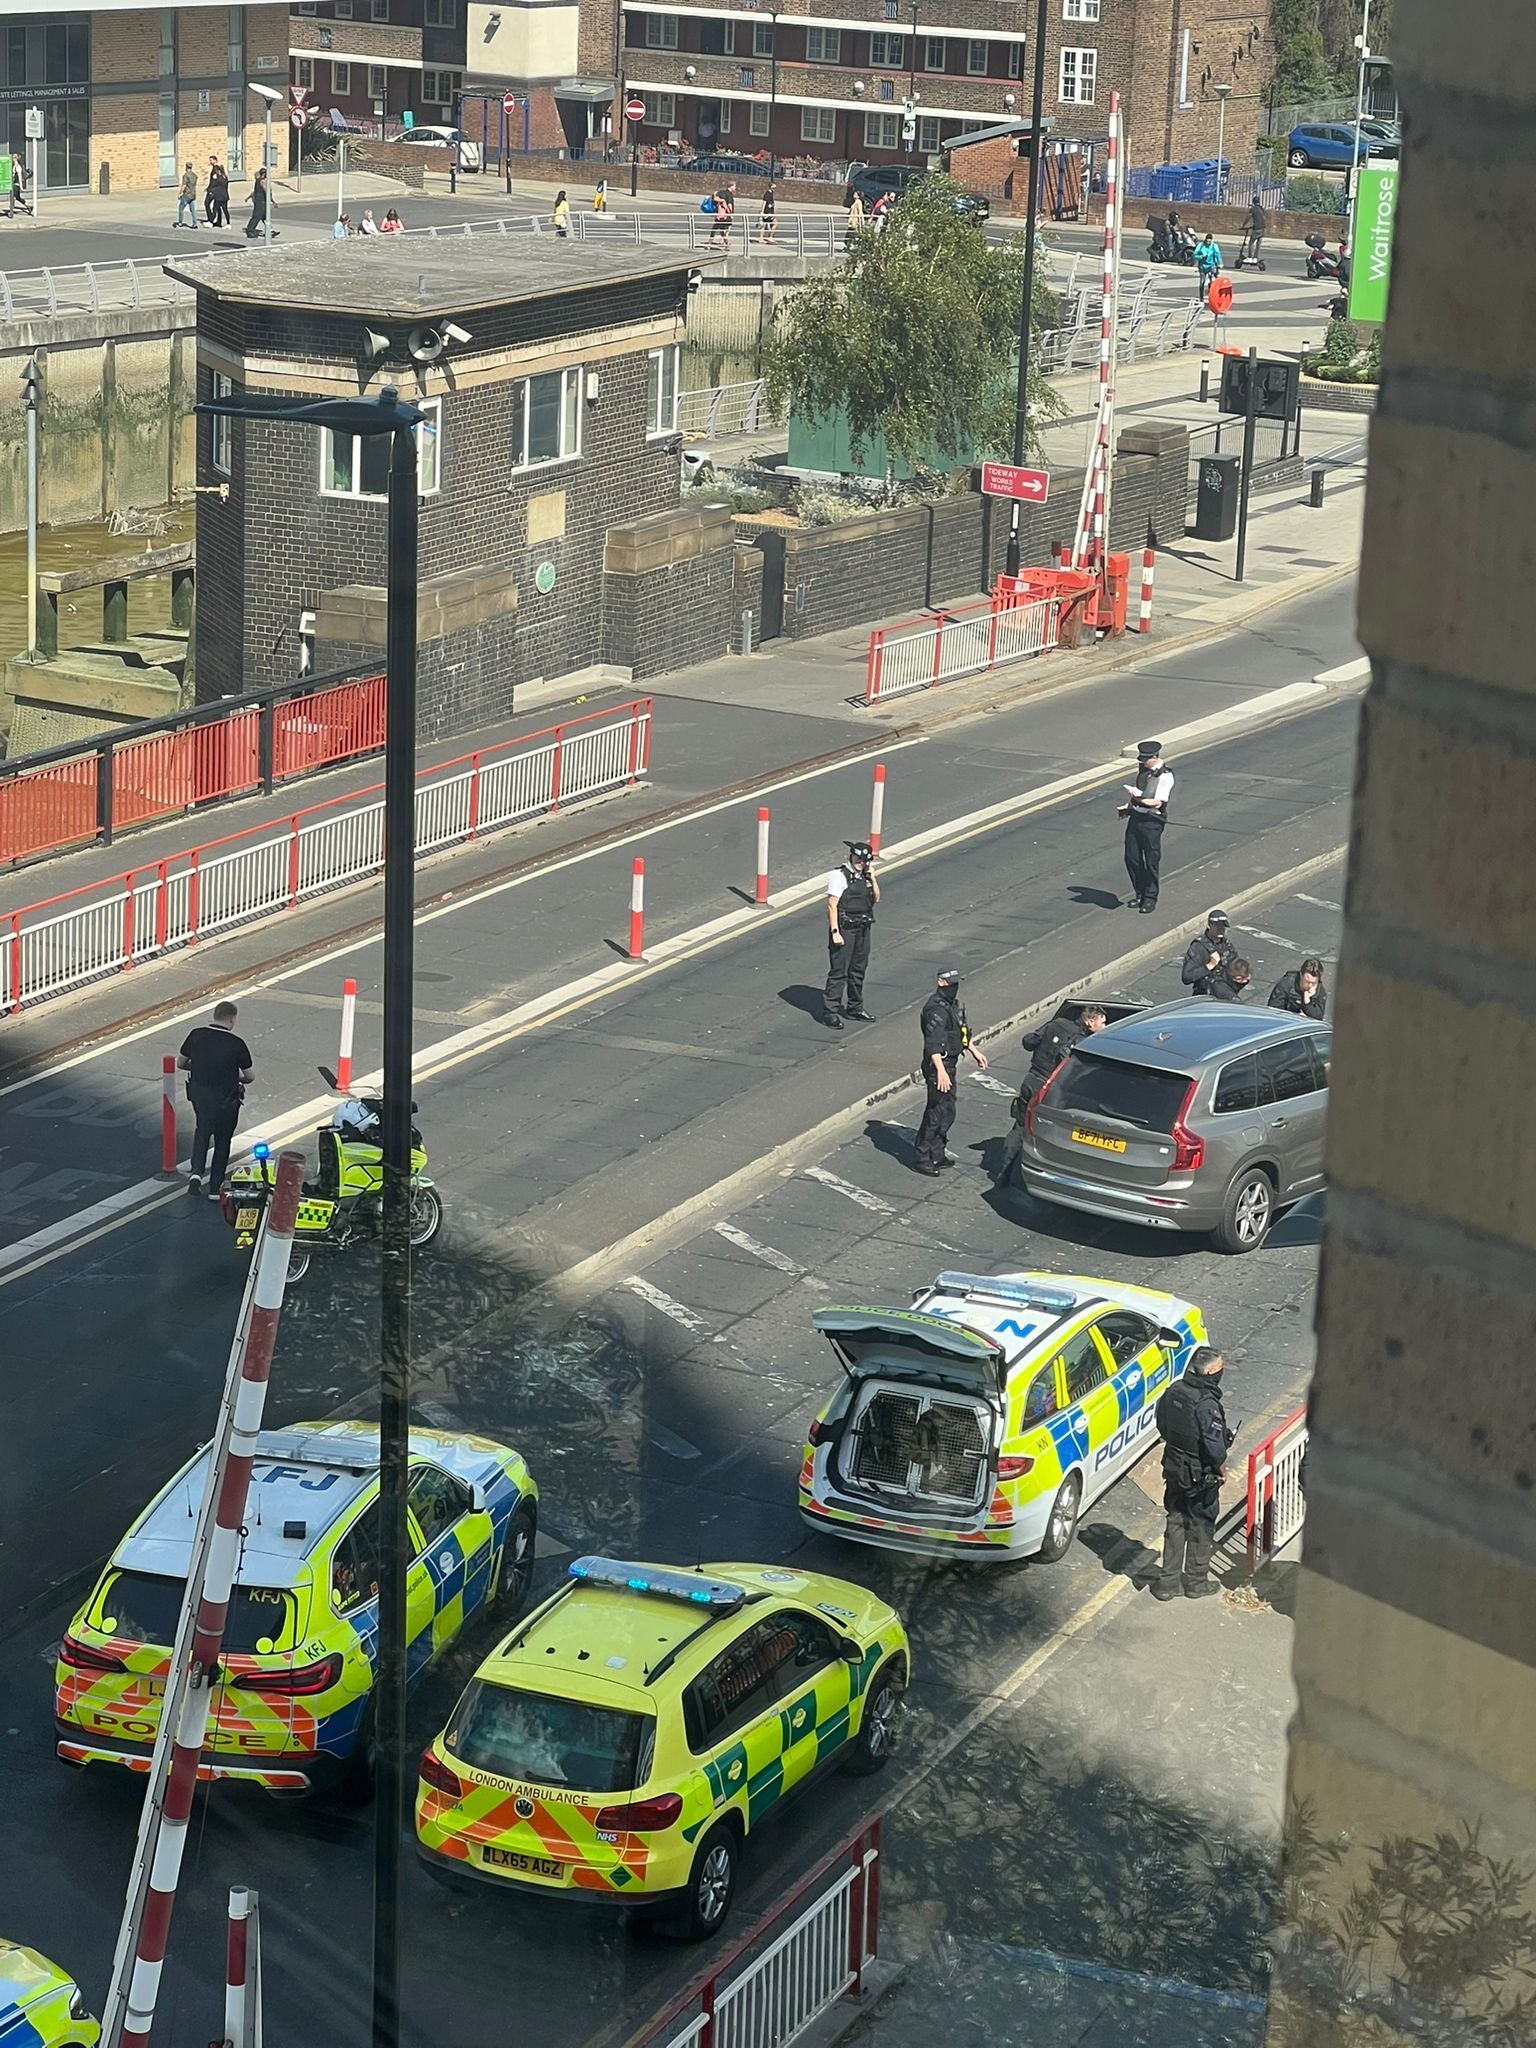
(877, 808)
(760, 894)
(1144, 615)
(637, 911)
(240, 1980)
(348, 1026)
(168, 1114)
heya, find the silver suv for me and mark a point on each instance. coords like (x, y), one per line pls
(1196, 1115)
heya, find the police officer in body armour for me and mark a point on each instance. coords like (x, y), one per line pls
(1146, 813)
(852, 893)
(1193, 1426)
(946, 1041)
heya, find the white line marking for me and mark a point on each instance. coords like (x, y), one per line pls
(991, 1081)
(862, 1196)
(1274, 938)
(765, 1252)
(1347, 672)
(665, 1305)
(1318, 902)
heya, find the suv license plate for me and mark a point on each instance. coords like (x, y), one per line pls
(535, 1866)
(1099, 1144)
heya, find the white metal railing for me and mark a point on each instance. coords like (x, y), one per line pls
(723, 409)
(1277, 1500)
(106, 928)
(921, 652)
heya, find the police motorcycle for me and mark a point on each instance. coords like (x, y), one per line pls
(345, 1199)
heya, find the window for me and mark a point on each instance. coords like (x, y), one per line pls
(341, 78)
(1126, 1333)
(928, 134)
(546, 418)
(882, 131)
(167, 119)
(378, 81)
(661, 390)
(1079, 10)
(1322, 1049)
(357, 466)
(437, 1501)
(1079, 73)
(725, 117)
(304, 72)
(167, 60)
(976, 59)
(1041, 1401)
(144, 1607)
(1237, 1087)
(815, 1649)
(1289, 1070)
(234, 41)
(355, 1563)
(542, 1740)
(660, 110)
(818, 124)
(343, 10)
(1015, 60)
(303, 6)
(1084, 1366)
(1146, 1096)
(823, 46)
(378, 10)
(887, 53)
(762, 38)
(739, 1685)
(440, 13)
(717, 38)
(440, 86)
(221, 438)
(757, 118)
(933, 53)
(234, 132)
(661, 31)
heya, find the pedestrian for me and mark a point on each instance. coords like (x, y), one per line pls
(261, 200)
(342, 228)
(561, 216)
(1193, 1426)
(1255, 228)
(368, 225)
(946, 1041)
(1207, 261)
(1145, 816)
(880, 214)
(1208, 955)
(391, 224)
(1231, 984)
(219, 1068)
(216, 195)
(1302, 992)
(187, 202)
(1048, 1047)
(724, 214)
(852, 893)
(768, 218)
(18, 184)
(855, 219)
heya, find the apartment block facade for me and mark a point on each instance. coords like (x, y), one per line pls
(375, 61)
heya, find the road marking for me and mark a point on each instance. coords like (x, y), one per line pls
(1274, 938)
(1347, 672)
(665, 1305)
(840, 1186)
(1318, 902)
(765, 1252)
(991, 1081)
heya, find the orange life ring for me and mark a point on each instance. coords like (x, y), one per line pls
(1219, 299)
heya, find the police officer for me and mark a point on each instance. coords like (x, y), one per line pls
(852, 893)
(946, 1041)
(1193, 1426)
(1209, 957)
(1048, 1046)
(1145, 815)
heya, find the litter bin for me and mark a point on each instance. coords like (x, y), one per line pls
(1216, 504)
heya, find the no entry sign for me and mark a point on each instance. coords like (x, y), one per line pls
(509, 104)
(634, 110)
(1002, 480)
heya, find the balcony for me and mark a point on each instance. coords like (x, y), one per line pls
(751, 77)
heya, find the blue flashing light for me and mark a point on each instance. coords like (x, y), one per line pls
(719, 1595)
(261, 1151)
(1057, 1300)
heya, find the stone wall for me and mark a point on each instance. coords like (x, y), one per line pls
(669, 589)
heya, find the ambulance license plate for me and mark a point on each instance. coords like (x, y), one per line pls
(247, 1219)
(535, 1866)
(1099, 1143)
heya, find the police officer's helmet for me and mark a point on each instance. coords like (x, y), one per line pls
(859, 849)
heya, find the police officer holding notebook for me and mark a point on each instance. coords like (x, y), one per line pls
(1146, 813)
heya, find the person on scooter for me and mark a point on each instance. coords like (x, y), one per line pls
(1255, 228)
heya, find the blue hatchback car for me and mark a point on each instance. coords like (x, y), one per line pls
(1329, 146)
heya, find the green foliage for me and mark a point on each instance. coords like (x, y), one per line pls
(1274, 148)
(1311, 194)
(1313, 45)
(1348, 356)
(913, 337)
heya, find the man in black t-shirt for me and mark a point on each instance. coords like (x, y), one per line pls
(217, 1064)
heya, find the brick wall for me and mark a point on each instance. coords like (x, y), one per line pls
(371, 40)
(669, 589)
(1227, 224)
(748, 596)
(125, 50)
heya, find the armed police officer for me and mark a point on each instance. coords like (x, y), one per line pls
(1146, 813)
(1193, 1426)
(1048, 1047)
(946, 1041)
(1210, 956)
(852, 893)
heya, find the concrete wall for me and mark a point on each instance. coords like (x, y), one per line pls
(1415, 1656)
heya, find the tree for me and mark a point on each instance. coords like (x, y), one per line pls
(1300, 62)
(913, 337)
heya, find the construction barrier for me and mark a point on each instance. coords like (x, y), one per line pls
(918, 653)
(168, 1114)
(1148, 566)
(637, 910)
(110, 926)
(1277, 1501)
(348, 1027)
(760, 892)
(877, 808)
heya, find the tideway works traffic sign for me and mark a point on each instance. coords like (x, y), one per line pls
(1370, 268)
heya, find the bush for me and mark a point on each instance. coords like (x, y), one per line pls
(1313, 195)
(1276, 147)
(1347, 356)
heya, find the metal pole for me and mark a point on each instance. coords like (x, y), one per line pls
(773, 101)
(1242, 500)
(1221, 147)
(453, 160)
(1026, 310)
(634, 154)
(395, 1359)
(1354, 169)
(266, 172)
(341, 173)
(32, 508)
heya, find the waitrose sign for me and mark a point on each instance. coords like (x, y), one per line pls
(1371, 253)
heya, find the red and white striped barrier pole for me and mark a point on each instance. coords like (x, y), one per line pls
(760, 895)
(877, 808)
(348, 1026)
(168, 1115)
(637, 911)
(1144, 616)
(241, 1980)
(191, 1700)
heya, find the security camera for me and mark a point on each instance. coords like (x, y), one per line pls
(455, 334)
(695, 279)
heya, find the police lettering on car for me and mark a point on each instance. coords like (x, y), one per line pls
(1146, 813)
(946, 1040)
(852, 893)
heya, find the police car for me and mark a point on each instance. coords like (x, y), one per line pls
(301, 1638)
(40, 2004)
(623, 1741)
(983, 1420)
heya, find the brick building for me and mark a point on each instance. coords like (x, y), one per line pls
(550, 534)
(129, 93)
(377, 60)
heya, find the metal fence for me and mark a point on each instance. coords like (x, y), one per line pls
(1152, 322)
(970, 641)
(723, 409)
(1277, 1500)
(109, 926)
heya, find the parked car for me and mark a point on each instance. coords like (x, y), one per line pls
(1330, 147)
(728, 166)
(876, 181)
(444, 138)
(1193, 1116)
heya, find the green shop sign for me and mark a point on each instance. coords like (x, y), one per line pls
(1370, 255)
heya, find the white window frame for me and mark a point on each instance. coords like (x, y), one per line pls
(447, 82)
(304, 6)
(304, 72)
(881, 130)
(343, 10)
(378, 10)
(660, 110)
(661, 31)
(880, 50)
(1078, 68)
(1015, 60)
(823, 45)
(661, 403)
(341, 79)
(973, 50)
(428, 455)
(726, 109)
(818, 124)
(930, 45)
(378, 81)
(762, 38)
(440, 13)
(1079, 10)
(221, 446)
(758, 121)
(571, 386)
(927, 134)
(728, 39)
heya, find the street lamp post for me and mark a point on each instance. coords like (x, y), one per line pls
(1363, 45)
(267, 97)
(386, 414)
(773, 98)
(1223, 94)
(1026, 309)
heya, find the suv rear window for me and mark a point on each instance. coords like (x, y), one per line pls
(143, 1607)
(1146, 1096)
(548, 1741)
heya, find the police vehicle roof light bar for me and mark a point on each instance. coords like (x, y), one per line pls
(1017, 1293)
(719, 1595)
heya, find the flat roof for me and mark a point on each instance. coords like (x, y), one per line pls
(415, 275)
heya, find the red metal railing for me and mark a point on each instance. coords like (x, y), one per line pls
(328, 725)
(1277, 1502)
(48, 807)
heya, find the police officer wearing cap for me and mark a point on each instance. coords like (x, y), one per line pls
(1193, 1426)
(852, 893)
(1146, 813)
(1209, 958)
(946, 1041)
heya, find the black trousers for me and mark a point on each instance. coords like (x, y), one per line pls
(1189, 1536)
(216, 1119)
(846, 965)
(938, 1119)
(1143, 857)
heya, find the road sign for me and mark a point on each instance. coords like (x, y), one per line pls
(509, 104)
(299, 118)
(634, 110)
(298, 94)
(1002, 480)
(34, 124)
(1370, 246)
